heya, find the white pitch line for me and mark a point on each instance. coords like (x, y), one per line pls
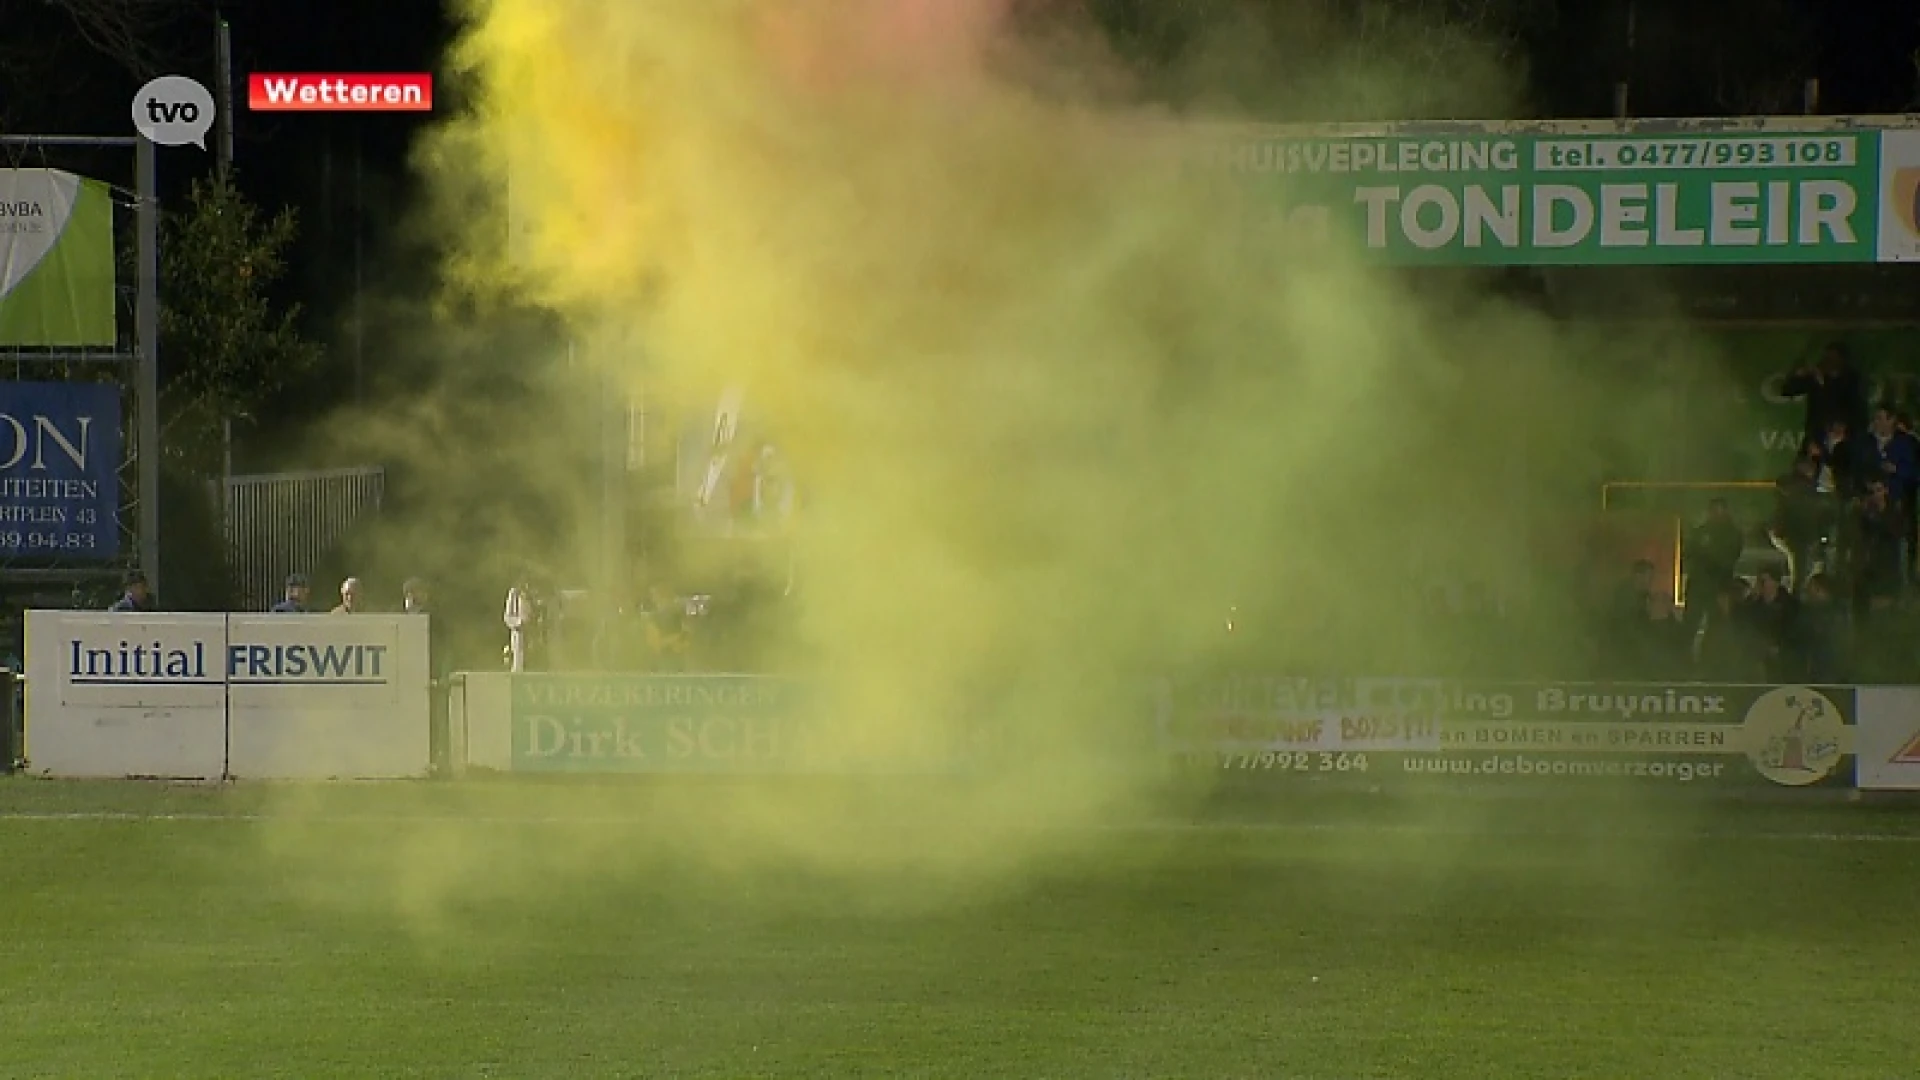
(78, 816)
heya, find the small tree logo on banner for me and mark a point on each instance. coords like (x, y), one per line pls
(1797, 734)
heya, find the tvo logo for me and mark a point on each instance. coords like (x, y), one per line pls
(173, 110)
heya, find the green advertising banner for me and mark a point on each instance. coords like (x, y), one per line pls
(739, 724)
(654, 724)
(1503, 196)
(56, 260)
(1387, 731)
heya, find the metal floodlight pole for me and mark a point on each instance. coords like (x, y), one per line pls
(223, 72)
(147, 380)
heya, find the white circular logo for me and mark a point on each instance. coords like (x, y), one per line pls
(1795, 735)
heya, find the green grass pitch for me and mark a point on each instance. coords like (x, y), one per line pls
(161, 932)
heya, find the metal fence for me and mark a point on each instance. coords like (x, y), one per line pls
(283, 523)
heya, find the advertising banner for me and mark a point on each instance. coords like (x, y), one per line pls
(1394, 730)
(59, 470)
(712, 724)
(112, 695)
(56, 260)
(652, 724)
(1507, 196)
(204, 696)
(325, 696)
(1889, 742)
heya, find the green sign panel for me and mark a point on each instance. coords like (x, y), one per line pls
(56, 260)
(741, 724)
(653, 724)
(1387, 731)
(1489, 198)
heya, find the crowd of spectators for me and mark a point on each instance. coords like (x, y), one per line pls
(1822, 590)
(665, 631)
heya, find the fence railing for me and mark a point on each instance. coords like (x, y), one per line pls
(282, 523)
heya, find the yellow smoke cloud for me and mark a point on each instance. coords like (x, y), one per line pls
(1057, 397)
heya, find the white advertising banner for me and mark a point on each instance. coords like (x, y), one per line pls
(207, 697)
(1900, 196)
(481, 722)
(126, 695)
(319, 697)
(1887, 746)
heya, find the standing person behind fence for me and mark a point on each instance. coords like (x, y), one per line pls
(665, 625)
(520, 617)
(135, 597)
(1711, 555)
(417, 599)
(350, 594)
(295, 602)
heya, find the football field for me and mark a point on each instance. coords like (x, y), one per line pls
(459, 931)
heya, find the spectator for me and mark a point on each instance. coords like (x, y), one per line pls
(1890, 454)
(1818, 638)
(1770, 609)
(1910, 497)
(1872, 546)
(1802, 517)
(521, 616)
(350, 592)
(1658, 645)
(1845, 460)
(665, 625)
(295, 602)
(1726, 649)
(1834, 391)
(134, 596)
(1630, 603)
(615, 646)
(1712, 555)
(416, 597)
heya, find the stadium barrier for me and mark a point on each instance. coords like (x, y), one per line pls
(12, 738)
(1889, 743)
(1368, 731)
(210, 697)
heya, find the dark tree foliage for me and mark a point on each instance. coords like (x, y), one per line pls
(60, 60)
(226, 347)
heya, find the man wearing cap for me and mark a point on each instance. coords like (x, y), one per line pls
(296, 601)
(349, 597)
(135, 597)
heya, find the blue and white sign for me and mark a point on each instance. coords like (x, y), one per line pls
(59, 470)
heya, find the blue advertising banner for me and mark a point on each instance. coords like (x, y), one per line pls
(59, 470)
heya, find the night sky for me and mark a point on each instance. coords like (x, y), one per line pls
(1688, 57)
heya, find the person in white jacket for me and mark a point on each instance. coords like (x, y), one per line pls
(519, 620)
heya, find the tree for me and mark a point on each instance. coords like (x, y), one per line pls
(61, 59)
(225, 346)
